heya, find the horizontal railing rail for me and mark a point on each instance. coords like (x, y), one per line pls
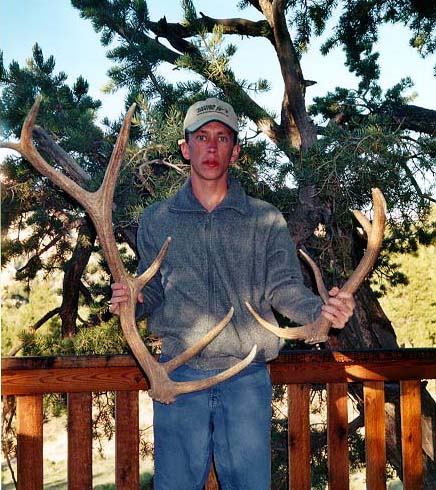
(28, 378)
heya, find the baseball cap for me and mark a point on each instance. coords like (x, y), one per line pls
(208, 110)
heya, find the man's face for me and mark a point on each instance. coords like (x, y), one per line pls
(211, 150)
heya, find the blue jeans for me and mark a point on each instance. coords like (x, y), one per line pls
(230, 421)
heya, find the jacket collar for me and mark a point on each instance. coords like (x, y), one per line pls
(236, 199)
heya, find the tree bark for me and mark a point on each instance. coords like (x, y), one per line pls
(414, 118)
(72, 279)
(401, 116)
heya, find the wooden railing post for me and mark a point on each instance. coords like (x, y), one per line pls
(375, 435)
(29, 441)
(127, 440)
(212, 480)
(80, 441)
(299, 436)
(411, 434)
(337, 436)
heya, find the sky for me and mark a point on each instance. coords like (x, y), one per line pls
(59, 30)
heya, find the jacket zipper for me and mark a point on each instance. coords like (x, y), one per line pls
(210, 281)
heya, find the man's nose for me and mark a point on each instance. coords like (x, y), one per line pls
(212, 146)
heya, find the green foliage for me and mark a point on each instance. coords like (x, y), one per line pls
(410, 303)
(60, 104)
(365, 150)
(189, 12)
(357, 32)
(346, 161)
(23, 306)
(29, 202)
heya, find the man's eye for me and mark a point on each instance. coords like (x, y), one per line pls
(223, 139)
(201, 137)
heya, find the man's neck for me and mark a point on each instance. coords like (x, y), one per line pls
(209, 193)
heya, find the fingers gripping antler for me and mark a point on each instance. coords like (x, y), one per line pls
(98, 205)
(317, 332)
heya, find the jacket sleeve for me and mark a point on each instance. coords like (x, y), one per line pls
(285, 289)
(153, 290)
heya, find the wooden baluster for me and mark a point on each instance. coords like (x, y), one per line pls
(337, 436)
(375, 435)
(80, 441)
(212, 480)
(411, 434)
(299, 436)
(29, 441)
(127, 440)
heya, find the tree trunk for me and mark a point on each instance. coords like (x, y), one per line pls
(72, 279)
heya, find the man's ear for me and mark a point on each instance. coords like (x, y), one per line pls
(184, 148)
(235, 153)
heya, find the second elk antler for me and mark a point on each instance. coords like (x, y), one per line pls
(317, 332)
(98, 205)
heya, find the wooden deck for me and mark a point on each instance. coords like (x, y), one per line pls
(29, 378)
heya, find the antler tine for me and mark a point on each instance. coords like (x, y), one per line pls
(375, 239)
(317, 332)
(295, 333)
(145, 277)
(29, 123)
(107, 187)
(162, 388)
(99, 207)
(363, 220)
(190, 386)
(27, 149)
(322, 290)
(200, 345)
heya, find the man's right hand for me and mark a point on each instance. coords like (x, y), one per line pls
(120, 294)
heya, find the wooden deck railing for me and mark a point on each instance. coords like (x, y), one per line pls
(30, 378)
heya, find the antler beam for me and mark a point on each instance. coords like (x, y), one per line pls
(98, 205)
(317, 332)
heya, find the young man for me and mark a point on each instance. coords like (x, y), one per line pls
(227, 248)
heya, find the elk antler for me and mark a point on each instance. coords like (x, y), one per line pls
(98, 205)
(317, 332)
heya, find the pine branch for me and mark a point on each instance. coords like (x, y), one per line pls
(67, 228)
(14, 351)
(414, 183)
(49, 146)
(237, 26)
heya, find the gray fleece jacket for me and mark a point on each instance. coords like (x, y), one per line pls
(241, 251)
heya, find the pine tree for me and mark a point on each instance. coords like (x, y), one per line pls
(368, 138)
(371, 139)
(54, 233)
